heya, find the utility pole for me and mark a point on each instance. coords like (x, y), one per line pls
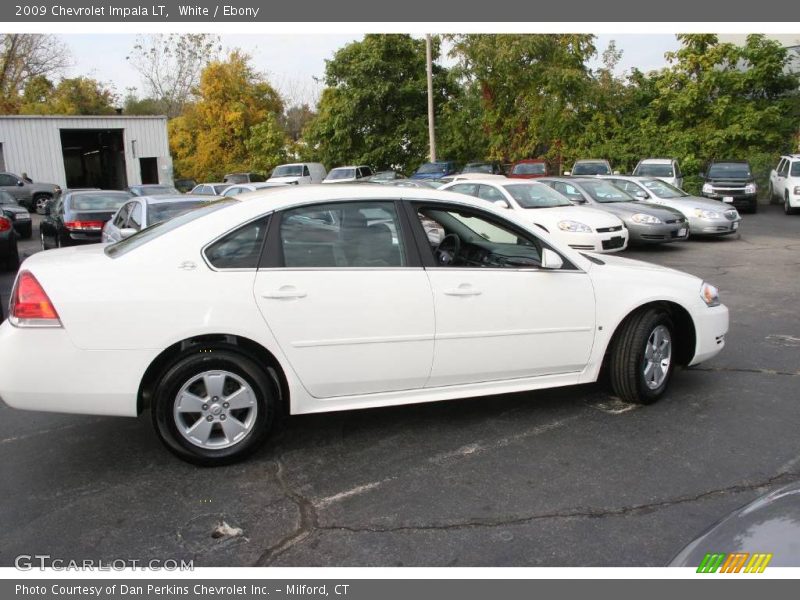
(429, 68)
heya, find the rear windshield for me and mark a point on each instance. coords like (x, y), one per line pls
(529, 169)
(478, 168)
(650, 170)
(237, 178)
(150, 233)
(428, 168)
(341, 174)
(591, 169)
(169, 210)
(536, 196)
(732, 170)
(89, 202)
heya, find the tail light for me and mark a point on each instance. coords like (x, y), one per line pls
(30, 306)
(84, 225)
(5, 224)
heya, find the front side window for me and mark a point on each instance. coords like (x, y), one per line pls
(490, 193)
(470, 238)
(122, 216)
(784, 169)
(470, 189)
(239, 249)
(135, 220)
(569, 190)
(345, 235)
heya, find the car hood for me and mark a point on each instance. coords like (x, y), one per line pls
(627, 209)
(588, 216)
(770, 524)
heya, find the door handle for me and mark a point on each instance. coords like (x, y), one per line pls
(286, 292)
(465, 289)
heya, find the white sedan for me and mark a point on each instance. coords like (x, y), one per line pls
(578, 227)
(314, 299)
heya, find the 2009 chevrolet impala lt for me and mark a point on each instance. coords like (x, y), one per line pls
(322, 298)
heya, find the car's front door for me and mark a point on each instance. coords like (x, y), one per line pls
(499, 316)
(342, 291)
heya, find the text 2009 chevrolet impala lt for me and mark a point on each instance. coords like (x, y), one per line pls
(336, 297)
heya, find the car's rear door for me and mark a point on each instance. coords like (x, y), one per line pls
(498, 315)
(342, 291)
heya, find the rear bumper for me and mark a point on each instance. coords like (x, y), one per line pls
(43, 370)
(711, 328)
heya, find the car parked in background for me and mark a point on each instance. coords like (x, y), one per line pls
(384, 176)
(353, 307)
(646, 223)
(9, 253)
(665, 169)
(18, 215)
(144, 211)
(242, 188)
(435, 170)
(232, 178)
(580, 228)
(784, 183)
(33, 196)
(529, 168)
(209, 189)
(77, 218)
(348, 174)
(425, 184)
(731, 181)
(491, 167)
(299, 173)
(590, 167)
(152, 189)
(706, 217)
(184, 185)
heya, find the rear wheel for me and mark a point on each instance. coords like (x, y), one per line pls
(214, 407)
(40, 203)
(641, 359)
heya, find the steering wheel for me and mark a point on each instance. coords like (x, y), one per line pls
(447, 250)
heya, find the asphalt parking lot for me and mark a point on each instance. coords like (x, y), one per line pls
(555, 478)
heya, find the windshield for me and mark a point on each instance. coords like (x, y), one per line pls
(795, 172)
(529, 169)
(602, 191)
(593, 168)
(663, 189)
(729, 170)
(155, 231)
(651, 170)
(478, 168)
(288, 171)
(431, 168)
(536, 196)
(110, 201)
(168, 210)
(341, 174)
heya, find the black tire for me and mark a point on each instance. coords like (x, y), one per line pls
(787, 208)
(34, 203)
(627, 357)
(224, 358)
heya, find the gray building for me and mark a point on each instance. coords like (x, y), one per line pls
(109, 152)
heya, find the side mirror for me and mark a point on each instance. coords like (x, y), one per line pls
(641, 195)
(501, 204)
(551, 260)
(567, 173)
(20, 183)
(126, 232)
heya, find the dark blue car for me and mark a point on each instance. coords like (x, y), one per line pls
(435, 170)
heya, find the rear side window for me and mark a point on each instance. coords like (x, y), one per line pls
(239, 249)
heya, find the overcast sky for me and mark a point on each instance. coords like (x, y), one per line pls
(292, 62)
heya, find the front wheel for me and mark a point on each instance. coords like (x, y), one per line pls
(642, 358)
(787, 207)
(214, 407)
(40, 204)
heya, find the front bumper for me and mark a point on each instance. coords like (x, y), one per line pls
(78, 381)
(736, 199)
(711, 328)
(709, 227)
(602, 242)
(657, 234)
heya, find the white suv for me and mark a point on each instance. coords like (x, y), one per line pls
(784, 182)
(665, 169)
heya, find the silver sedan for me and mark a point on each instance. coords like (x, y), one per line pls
(706, 217)
(145, 211)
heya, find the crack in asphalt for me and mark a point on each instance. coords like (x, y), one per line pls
(743, 370)
(306, 525)
(519, 520)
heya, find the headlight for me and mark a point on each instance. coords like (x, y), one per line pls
(706, 214)
(797, 191)
(707, 189)
(750, 188)
(644, 219)
(574, 226)
(709, 294)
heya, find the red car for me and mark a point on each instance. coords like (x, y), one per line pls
(529, 168)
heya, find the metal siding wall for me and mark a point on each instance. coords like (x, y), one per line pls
(33, 145)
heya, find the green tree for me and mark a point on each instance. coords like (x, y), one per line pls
(219, 132)
(74, 96)
(374, 108)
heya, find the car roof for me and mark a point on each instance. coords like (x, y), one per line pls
(592, 160)
(656, 161)
(97, 192)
